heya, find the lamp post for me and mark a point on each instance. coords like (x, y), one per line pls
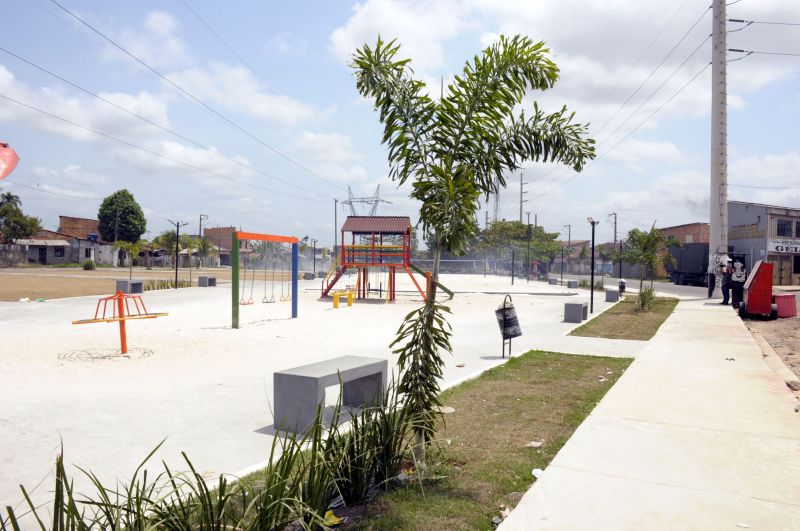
(593, 223)
(569, 244)
(528, 250)
(314, 255)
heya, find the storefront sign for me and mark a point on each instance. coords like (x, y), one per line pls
(745, 232)
(782, 245)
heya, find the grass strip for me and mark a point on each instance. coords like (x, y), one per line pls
(482, 459)
(622, 321)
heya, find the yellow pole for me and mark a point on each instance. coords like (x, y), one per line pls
(349, 298)
(335, 300)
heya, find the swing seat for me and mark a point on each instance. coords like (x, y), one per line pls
(267, 301)
(245, 302)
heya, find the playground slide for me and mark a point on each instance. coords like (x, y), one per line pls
(441, 286)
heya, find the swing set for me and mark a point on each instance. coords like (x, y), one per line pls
(238, 297)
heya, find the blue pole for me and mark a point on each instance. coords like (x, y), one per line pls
(294, 280)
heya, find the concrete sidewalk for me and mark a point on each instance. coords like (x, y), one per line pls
(699, 433)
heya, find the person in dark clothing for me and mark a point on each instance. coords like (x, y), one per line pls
(725, 284)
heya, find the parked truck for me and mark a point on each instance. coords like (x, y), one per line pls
(691, 264)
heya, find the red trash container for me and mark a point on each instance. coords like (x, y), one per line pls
(787, 307)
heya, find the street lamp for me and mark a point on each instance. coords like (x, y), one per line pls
(593, 223)
(314, 255)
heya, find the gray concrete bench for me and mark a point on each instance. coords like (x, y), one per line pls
(576, 312)
(612, 295)
(300, 390)
(130, 286)
(552, 281)
(206, 282)
(572, 284)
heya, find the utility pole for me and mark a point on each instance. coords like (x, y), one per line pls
(528, 250)
(718, 193)
(522, 193)
(335, 227)
(615, 243)
(314, 255)
(486, 222)
(178, 226)
(569, 244)
(200, 236)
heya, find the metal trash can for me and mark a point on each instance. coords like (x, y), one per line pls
(508, 322)
(621, 284)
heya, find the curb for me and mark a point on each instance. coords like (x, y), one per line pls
(775, 362)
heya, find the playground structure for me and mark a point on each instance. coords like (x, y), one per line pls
(238, 299)
(120, 313)
(378, 245)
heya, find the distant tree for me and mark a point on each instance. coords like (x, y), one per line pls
(14, 224)
(132, 249)
(166, 241)
(500, 237)
(646, 249)
(121, 218)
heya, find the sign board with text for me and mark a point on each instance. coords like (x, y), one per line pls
(783, 245)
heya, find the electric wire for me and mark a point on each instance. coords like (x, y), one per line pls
(154, 153)
(155, 124)
(628, 135)
(193, 97)
(217, 35)
(757, 52)
(658, 66)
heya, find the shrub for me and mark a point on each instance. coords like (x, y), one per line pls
(645, 301)
(151, 285)
(599, 285)
(89, 265)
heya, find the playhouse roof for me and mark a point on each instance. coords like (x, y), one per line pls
(370, 224)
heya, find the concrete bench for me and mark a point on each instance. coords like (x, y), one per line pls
(130, 286)
(300, 390)
(206, 282)
(612, 295)
(552, 281)
(576, 312)
(308, 276)
(572, 284)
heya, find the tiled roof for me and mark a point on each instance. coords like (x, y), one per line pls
(384, 224)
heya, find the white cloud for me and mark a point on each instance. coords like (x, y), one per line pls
(637, 153)
(332, 155)
(235, 88)
(422, 27)
(286, 43)
(89, 112)
(157, 43)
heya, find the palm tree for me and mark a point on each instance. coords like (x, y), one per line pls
(7, 198)
(455, 149)
(132, 249)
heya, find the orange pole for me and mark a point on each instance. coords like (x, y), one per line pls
(427, 282)
(123, 340)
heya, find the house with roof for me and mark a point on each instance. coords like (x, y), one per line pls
(76, 241)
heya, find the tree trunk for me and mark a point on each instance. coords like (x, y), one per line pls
(419, 436)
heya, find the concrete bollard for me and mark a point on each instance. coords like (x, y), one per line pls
(612, 296)
(552, 281)
(572, 284)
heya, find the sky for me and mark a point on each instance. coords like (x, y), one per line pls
(266, 128)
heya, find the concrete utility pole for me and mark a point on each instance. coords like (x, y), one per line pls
(522, 193)
(615, 243)
(718, 192)
(203, 217)
(335, 227)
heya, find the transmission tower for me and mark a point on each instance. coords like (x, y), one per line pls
(373, 200)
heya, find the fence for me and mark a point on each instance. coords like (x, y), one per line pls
(12, 255)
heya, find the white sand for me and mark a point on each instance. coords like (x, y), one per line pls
(205, 387)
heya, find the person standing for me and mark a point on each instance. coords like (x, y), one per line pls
(726, 271)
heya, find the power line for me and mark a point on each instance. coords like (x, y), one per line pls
(155, 124)
(658, 66)
(638, 126)
(750, 22)
(192, 96)
(765, 187)
(151, 152)
(755, 52)
(217, 35)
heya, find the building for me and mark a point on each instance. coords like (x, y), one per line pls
(689, 232)
(767, 232)
(87, 232)
(221, 238)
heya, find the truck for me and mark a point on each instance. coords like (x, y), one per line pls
(690, 266)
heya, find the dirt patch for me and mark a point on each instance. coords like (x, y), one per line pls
(622, 321)
(783, 335)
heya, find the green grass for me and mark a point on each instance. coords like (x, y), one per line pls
(621, 321)
(482, 461)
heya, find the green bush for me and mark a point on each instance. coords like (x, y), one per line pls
(645, 301)
(598, 285)
(89, 265)
(151, 285)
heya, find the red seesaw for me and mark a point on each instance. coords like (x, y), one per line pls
(120, 312)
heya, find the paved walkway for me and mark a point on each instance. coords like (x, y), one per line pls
(687, 439)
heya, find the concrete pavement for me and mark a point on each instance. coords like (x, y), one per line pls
(699, 433)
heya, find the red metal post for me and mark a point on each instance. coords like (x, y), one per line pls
(123, 340)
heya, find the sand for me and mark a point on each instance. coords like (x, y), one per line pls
(205, 388)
